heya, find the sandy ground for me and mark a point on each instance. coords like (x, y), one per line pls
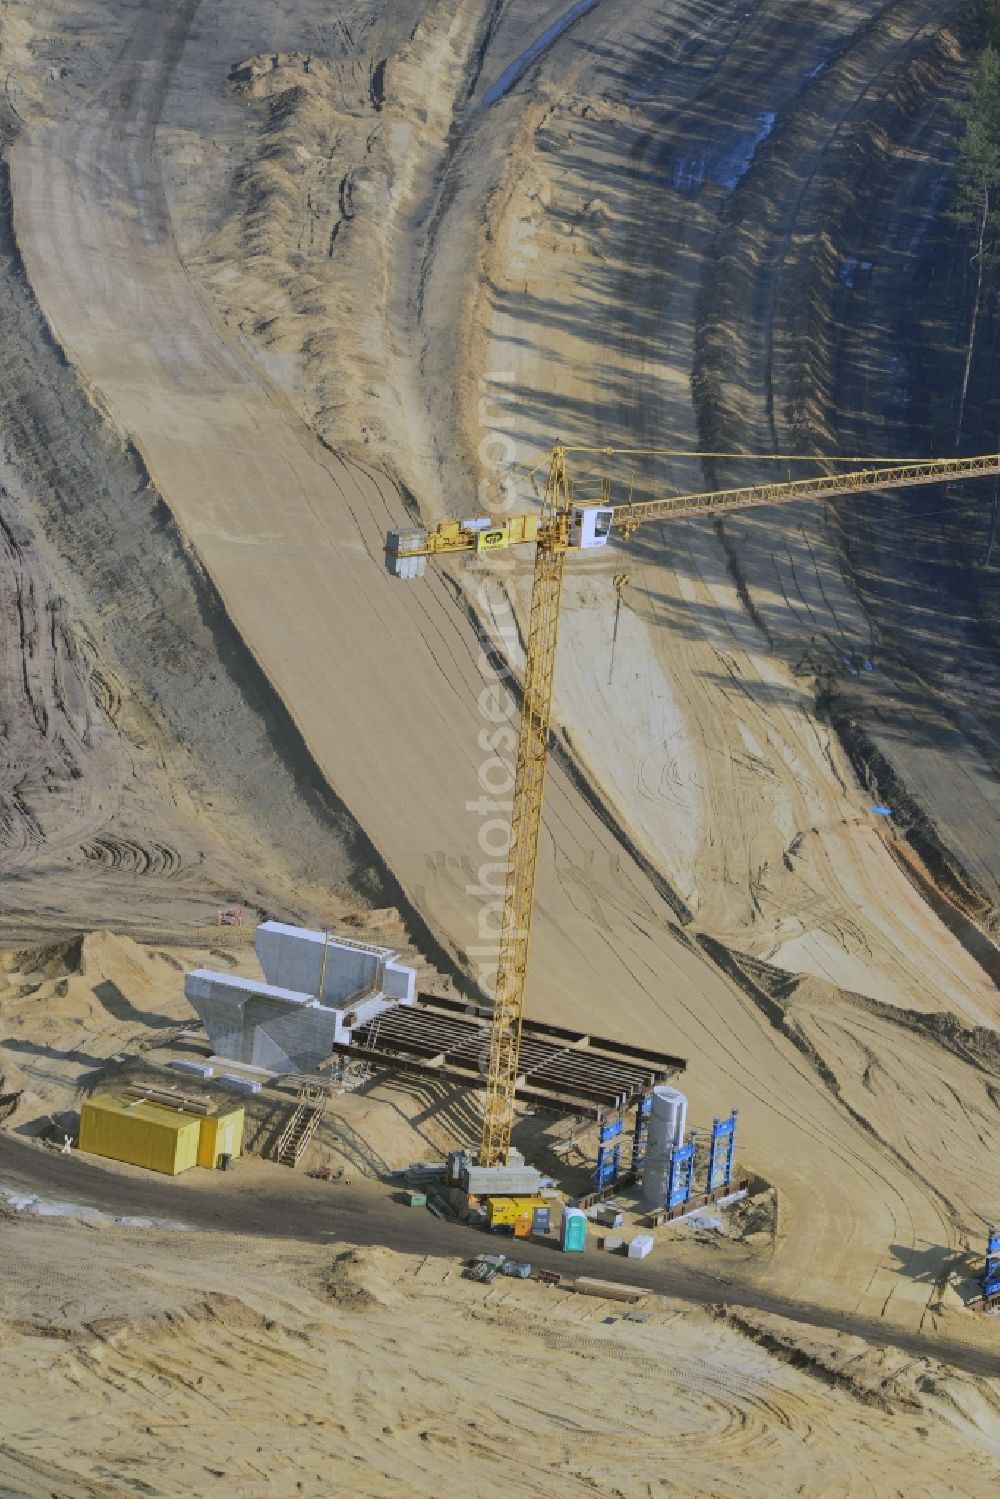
(393, 1374)
(261, 264)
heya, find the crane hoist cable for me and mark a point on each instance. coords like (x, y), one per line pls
(561, 525)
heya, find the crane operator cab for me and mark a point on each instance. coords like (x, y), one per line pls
(590, 525)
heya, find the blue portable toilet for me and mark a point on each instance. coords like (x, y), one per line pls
(573, 1231)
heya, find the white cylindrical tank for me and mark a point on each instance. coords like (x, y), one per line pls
(666, 1128)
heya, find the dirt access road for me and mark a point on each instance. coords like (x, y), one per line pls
(316, 1212)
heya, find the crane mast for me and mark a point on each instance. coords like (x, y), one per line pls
(526, 819)
(561, 525)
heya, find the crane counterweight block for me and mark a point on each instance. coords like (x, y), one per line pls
(407, 549)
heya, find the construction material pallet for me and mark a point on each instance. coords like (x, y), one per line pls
(190, 1103)
(483, 1272)
(610, 1290)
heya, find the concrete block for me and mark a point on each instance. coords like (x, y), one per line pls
(294, 957)
(640, 1246)
(500, 1181)
(280, 1024)
(262, 1025)
(400, 983)
(608, 1217)
(230, 989)
(202, 1069)
(244, 1084)
(611, 1242)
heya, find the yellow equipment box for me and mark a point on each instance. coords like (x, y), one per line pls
(509, 1209)
(221, 1134)
(141, 1133)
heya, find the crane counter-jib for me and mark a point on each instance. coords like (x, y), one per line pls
(564, 524)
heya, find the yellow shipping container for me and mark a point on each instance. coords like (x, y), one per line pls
(141, 1133)
(221, 1134)
(509, 1209)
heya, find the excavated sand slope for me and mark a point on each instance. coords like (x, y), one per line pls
(177, 227)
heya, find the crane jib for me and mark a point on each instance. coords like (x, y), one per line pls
(574, 524)
(822, 487)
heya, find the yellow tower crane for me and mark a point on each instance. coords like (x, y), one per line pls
(561, 525)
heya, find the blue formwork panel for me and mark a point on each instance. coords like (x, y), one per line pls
(681, 1175)
(721, 1151)
(638, 1150)
(642, 1110)
(991, 1270)
(608, 1166)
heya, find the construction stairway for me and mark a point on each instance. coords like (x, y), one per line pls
(302, 1125)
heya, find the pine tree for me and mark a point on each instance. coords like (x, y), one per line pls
(977, 192)
(991, 21)
(979, 150)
